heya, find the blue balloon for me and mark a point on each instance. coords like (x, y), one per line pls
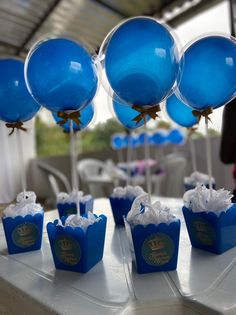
(16, 104)
(141, 61)
(176, 137)
(126, 114)
(159, 138)
(86, 116)
(208, 69)
(60, 75)
(180, 112)
(118, 141)
(142, 138)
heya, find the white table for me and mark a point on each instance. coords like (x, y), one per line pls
(203, 283)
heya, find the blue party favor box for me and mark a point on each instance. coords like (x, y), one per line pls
(120, 207)
(66, 209)
(74, 249)
(212, 232)
(155, 247)
(23, 234)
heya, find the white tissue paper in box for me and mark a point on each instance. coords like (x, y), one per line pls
(25, 204)
(129, 192)
(76, 220)
(72, 197)
(200, 200)
(154, 213)
(197, 177)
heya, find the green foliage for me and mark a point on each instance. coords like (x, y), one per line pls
(50, 140)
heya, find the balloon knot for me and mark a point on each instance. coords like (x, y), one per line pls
(143, 112)
(15, 125)
(204, 113)
(75, 116)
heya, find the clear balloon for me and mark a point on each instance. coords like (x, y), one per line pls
(179, 112)
(208, 69)
(86, 116)
(141, 61)
(16, 104)
(61, 75)
(176, 137)
(126, 115)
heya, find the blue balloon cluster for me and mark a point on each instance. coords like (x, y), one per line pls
(208, 69)
(159, 138)
(179, 112)
(16, 104)
(176, 137)
(86, 116)
(126, 115)
(141, 61)
(118, 141)
(61, 75)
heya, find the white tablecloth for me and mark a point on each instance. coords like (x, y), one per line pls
(203, 283)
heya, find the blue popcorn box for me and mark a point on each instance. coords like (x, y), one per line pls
(211, 232)
(23, 234)
(189, 187)
(66, 209)
(120, 208)
(154, 247)
(74, 249)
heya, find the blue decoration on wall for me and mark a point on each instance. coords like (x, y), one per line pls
(180, 113)
(16, 104)
(60, 75)
(141, 61)
(86, 116)
(126, 114)
(208, 70)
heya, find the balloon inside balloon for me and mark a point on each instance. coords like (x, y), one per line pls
(126, 115)
(118, 141)
(86, 116)
(208, 70)
(60, 75)
(16, 104)
(179, 112)
(176, 137)
(159, 138)
(141, 61)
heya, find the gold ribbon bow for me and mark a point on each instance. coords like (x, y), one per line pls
(205, 113)
(16, 125)
(75, 116)
(143, 112)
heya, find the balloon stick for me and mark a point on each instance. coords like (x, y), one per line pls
(147, 166)
(21, 160)
(74, 177)
(193, 153)
(208, 155)
(129, 156)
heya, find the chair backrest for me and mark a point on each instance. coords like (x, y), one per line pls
(55, 177)
(90, 167)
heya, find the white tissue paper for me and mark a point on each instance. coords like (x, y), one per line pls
(200, 200)
(76, 220)
(129, 192)
(25, 204)
(144, 213)
(72, 197)
(197, 177)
